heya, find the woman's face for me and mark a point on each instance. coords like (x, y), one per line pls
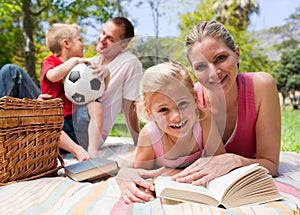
(174, 110)
(215, 64)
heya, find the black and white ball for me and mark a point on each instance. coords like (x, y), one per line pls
(81, 86)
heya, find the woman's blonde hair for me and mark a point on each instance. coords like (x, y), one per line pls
(211, 29)
(59, 32)
(156, 78)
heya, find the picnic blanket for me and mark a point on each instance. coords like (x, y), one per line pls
(61, 195)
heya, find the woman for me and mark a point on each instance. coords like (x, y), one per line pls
(245, 107)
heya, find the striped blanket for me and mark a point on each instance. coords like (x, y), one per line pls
(61, 195)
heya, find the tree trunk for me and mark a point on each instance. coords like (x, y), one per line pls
(29, 52)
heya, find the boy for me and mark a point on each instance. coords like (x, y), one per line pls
(66, 44)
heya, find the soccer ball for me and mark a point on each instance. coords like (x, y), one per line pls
(81, 86)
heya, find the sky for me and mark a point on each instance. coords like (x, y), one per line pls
(272, 13)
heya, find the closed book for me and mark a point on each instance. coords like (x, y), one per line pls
(91, 169)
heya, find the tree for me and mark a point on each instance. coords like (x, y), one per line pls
(288, 76)
(155, 8)
(11, 33)
(235, 12)
(169, 49)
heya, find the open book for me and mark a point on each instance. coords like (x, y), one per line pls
(91, 169)
(243, 186)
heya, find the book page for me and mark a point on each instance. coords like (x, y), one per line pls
(165, 187)
(218, 186)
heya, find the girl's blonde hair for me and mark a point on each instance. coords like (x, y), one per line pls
(156, 78)
(59, 32)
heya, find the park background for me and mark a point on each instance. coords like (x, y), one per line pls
(267, 31)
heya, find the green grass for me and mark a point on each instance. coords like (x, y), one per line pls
(290, 129)
(119, 129)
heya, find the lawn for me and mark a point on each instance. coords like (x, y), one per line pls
(290, 135)
(290, 129)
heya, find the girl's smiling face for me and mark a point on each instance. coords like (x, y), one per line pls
(174, 110)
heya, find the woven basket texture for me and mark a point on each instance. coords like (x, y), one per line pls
(30, 132)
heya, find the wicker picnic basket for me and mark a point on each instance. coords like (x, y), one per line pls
(30, 132)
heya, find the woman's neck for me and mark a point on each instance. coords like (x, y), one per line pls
(219, 101)
(223, 107)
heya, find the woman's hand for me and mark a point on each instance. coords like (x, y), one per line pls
(205, 169)
(134, 185)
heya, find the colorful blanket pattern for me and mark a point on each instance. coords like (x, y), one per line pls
(61, 195)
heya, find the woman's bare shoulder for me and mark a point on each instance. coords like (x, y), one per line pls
(263, 78)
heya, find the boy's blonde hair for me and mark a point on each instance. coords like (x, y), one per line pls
(59, 32)
(156, 78)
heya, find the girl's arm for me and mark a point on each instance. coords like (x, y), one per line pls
(145, 155)
(133, 181)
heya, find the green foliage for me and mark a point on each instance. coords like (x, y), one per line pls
(83, 13)
(203, 11)
(235, 12)
(151, 50)
(90, 50)
(288, 74)
(11, 34)
(287, 44)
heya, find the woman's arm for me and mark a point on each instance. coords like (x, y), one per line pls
(268, 125)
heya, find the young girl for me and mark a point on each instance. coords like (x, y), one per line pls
(176, 132)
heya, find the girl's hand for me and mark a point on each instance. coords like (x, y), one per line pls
(205, 169)
(134, 185)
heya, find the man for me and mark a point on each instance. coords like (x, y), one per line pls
(125, 75)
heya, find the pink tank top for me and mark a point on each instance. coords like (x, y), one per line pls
(243, 141)
(180, 162)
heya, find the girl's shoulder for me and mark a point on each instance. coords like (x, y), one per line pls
(147, 134)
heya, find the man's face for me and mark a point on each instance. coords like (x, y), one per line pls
(110, 40)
